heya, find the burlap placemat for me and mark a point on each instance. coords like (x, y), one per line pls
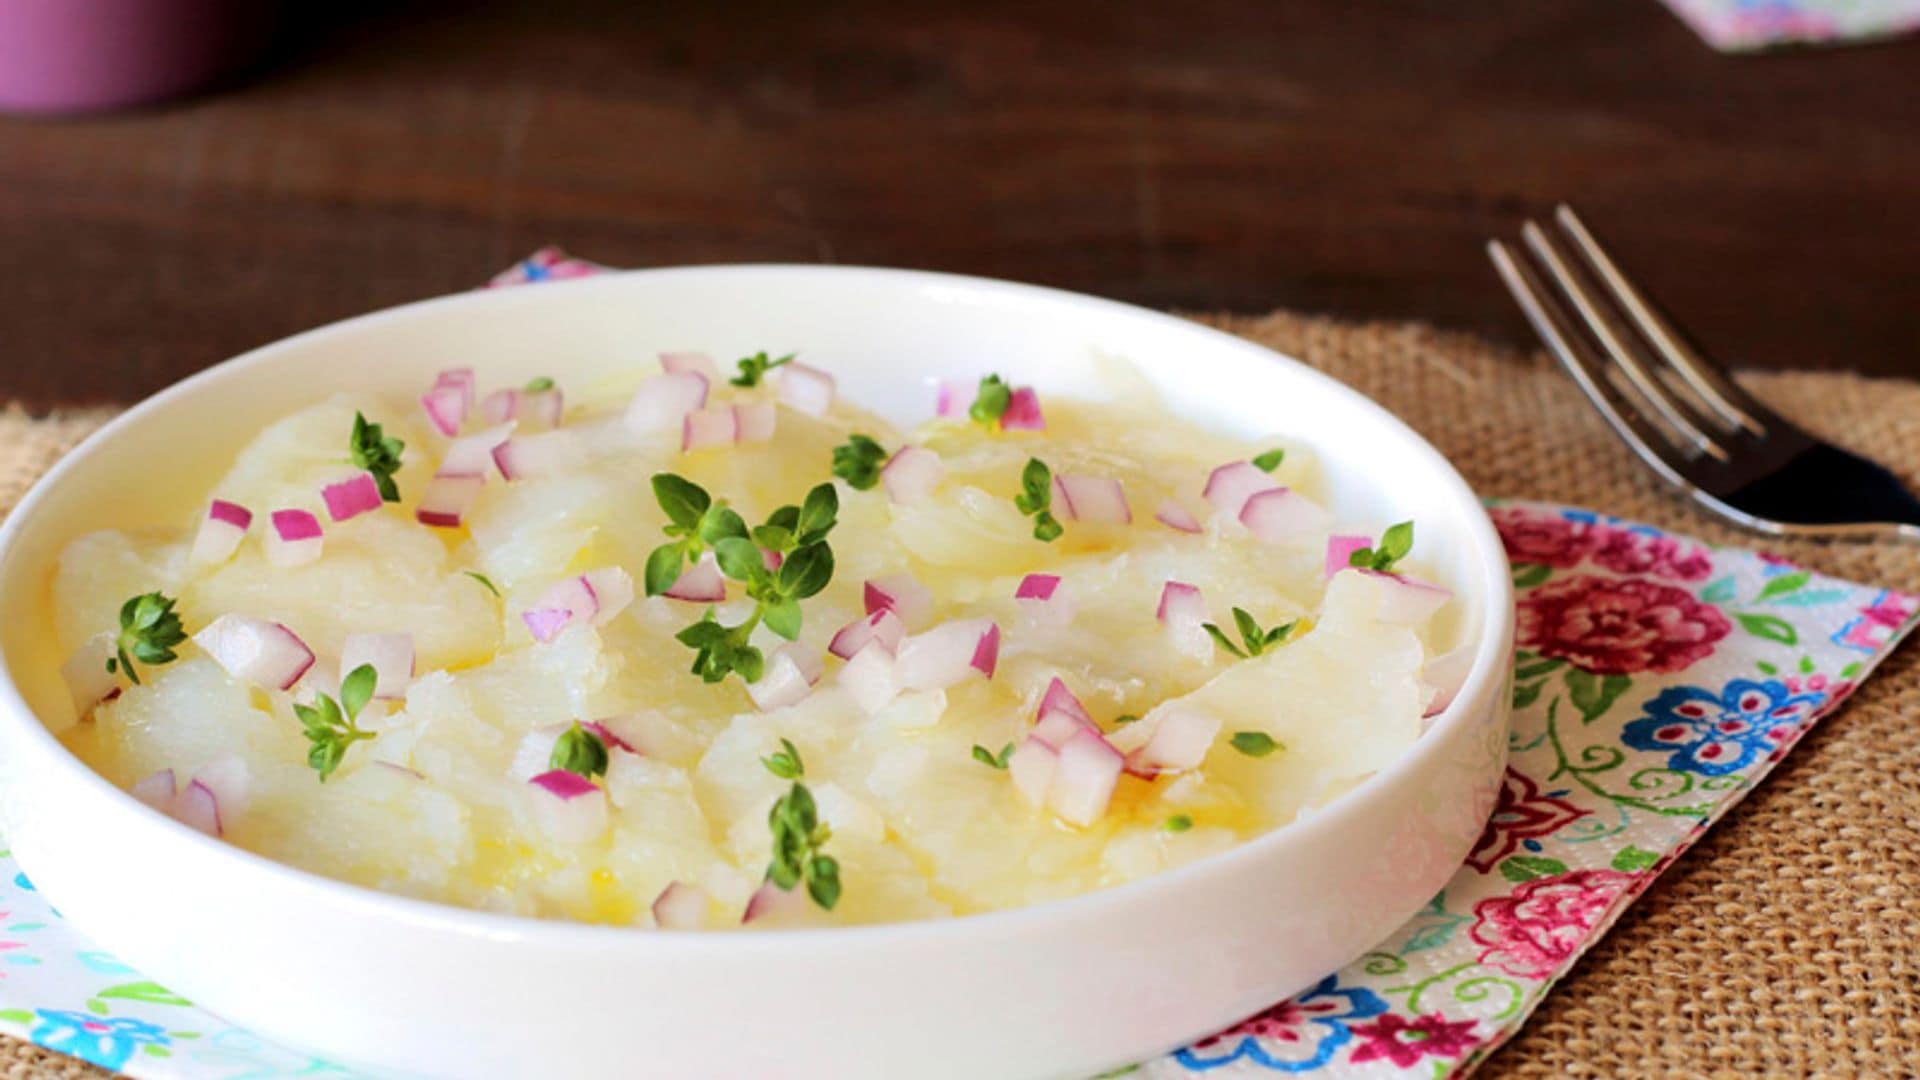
(1783, 942)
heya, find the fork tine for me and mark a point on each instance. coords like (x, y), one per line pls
(1714, 386)
(1675, 412)
(1627, 419)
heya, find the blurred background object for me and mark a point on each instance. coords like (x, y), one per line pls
(1751, 25)
(82, 55)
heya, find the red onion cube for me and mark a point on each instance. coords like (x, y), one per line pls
(1340, 549)
(788, 678)
(1084, 781)
(546, 454)
(1032, 766)
(295, 538)
(700, 583)
(1060, 717)
(1040, 597)
(1175, 515)
(255, 650)
(445, 500)
(1097, 499)
(1231, 485)
(391, 656)
(1405, 600)
(157, 790)
(231, 782)
(754, 422)
(661, 403)
(681, 906)
(568, 807)
(349, 498)
(702, 429)
(86, 674)
(772, 906)
(805, 388)
(1183, 612)
(220, 532)
(500, 406)
(870, 678)
(1023, 412)
(1444, 675)
(460, 379)
(446, 408)
(698, 363)
(948, 654)
(545, 624)
(1279, 515)
(1037, 587)
(1171, 739)
(544, 408)
(901, 594)
(612, 590)
(199, 808)
(608, 737)
(472, 455)
(912, 474)
(883, 626)
(950, 400)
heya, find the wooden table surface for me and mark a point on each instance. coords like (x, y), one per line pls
(1209, 154)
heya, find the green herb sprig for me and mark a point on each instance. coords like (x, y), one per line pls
(378, 453)
(1036, 500)
(485, 581)
(1178, 823)
(580, 752)
(1255, 743)
(149, 629)
(754, 368)
(1395, 543)
(990, 759)
(858, 461)
(332, 726)
(990, 401)
(799, 835)
(539, 384)
(694, 521)
(1270, 460)
(1256, 640)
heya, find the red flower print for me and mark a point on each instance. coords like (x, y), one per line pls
(1618, 626)
(1534, 536)
(1405, 1042)
(1627, 552)
(1285, 1022)
(1542, 923)
(1522, 814)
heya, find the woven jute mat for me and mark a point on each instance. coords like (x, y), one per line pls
(1783, 943)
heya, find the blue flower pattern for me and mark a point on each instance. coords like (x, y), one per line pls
(1716, 733)
(107, 1042)
(1294, 1036)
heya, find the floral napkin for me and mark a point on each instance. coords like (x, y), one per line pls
(1752, 25)
(1657, 681)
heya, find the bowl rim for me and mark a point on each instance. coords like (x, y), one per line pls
(22, 729)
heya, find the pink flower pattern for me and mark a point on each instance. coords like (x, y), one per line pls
(1546, 921)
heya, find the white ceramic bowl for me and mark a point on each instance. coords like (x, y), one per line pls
(1056, 990)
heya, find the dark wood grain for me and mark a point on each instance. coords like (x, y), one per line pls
(1209, 154)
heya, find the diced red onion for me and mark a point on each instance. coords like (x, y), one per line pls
(220, 532)
(231, 782)
(607, 736)
(1340, 549)
(701, 583)
(500, 406)
(1023, 412)
(460, 379)
(446, 408)
(545, 408)
(661, 403)
(883, 626)
(612, 589)
(805, 388)
(391, 656)
(445, 500)
(256, 651)
(870, 678)
(1098, 499)
(405, 772)
(754, 422)
(698, 363)
(901, 594)
(568, 807)
(1183, 612)
(1231, 485)
(86, 674)
(1406, 600)
(1445, 674)
(947, 654)
(1060, 717)
(1280, 514)
(1031, 766)
(1175, 515)
(1083, 782)
(912, 474)
(545, 454)
(787, 678)
(295, 538)
(472, 455)
(545, 624)
(704, 428)
(357, 494)
(681, 906)
(950, 401)
(1037, 587)
(1041, 597)
(1172, 739)
(772, 904)
(199, 808)
(157, 790)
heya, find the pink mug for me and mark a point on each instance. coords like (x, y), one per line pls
(85, 55)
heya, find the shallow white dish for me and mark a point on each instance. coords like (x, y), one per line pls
(1057, 990)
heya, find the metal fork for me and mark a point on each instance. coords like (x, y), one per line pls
(1682, 413)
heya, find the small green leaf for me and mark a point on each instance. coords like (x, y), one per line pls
(357, 689)
(785, 763)
(1255, 744)
(990, 401)
(1537, 668)
(1527, 867)
(818, 512)
(539, 384)
(1178, 823)
(663, 568)
(858, 461)
(579, 751)
(1270, 460)
(1783, 585)
(1395, 544)
(1124, 719)
(823, 881)
(753, 368)
(485, 581)
(990, 759)
(1769, 627)
(683, 501)
(1221, 639)
(806, 571)
(739, 559)
(772, 537)
(722, 523)
(1528, 575)
(1045, 528)
(1525, 694)
(782, 616)
(1633, 859)
(379, 454)
(1250, 631)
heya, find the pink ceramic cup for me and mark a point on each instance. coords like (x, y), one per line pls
(86, 55)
